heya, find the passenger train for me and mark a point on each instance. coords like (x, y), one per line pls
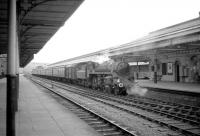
(105, 77)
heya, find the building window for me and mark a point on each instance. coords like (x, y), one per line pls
(164, 69)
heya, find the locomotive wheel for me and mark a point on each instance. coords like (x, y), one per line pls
(116, 92)
(112, 90)
(107, 89)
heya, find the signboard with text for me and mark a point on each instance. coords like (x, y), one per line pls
(170, 68)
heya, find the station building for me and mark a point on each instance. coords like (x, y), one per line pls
(179, 66)
(176, 66)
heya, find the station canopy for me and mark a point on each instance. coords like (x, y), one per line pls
(181, 38)
(38, 21)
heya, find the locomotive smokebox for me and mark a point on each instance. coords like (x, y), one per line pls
(121, 68)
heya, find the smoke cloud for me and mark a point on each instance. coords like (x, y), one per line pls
(135, 88)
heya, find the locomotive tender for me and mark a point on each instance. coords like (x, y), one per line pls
(105, 77)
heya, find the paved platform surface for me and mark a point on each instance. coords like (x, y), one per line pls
(3, 107)
(187, 87)
(40, 115)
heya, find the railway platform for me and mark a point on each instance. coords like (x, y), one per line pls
(3, 107)
(41, 115)
(173, 86)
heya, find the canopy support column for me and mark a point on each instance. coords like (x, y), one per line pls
(155, 68)
(12, 67)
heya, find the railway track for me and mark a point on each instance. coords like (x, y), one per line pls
(181, 122)
(101, 124)
(187, 113)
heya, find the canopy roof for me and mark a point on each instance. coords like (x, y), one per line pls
(38, 21)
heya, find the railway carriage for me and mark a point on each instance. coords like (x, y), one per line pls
(49, 72)
(42, 72)
(71, 73)
(58, 73)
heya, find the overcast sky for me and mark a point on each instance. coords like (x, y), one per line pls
(99, 24)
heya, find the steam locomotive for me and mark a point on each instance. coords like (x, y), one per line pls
(106, 77)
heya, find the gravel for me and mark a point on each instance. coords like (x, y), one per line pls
(141, 126)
